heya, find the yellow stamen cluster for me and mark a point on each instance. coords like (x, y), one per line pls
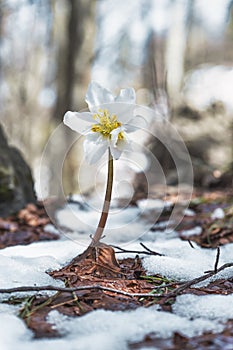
(106, 123)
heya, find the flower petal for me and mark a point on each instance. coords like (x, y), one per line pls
(94, 151)
(114, 135)
(78, 122)
(124, 145)
(149, 114)
(117, 146)
(93, 137)
(123, 111)
(97, 95)
(115, 152)
(126, 95)
(138, 122)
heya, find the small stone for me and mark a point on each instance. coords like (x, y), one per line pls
(16, 183)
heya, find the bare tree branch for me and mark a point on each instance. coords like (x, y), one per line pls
(75, 289)
(190, 243)
(151, 251)
(167, 296)
(202, 278)
(145, 252)
(217, 259)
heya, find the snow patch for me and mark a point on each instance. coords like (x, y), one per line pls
(182, 262)
(153, 204)
(13, 332)
(193, 231)
(210, 307)
(193, 315)
(218, 213)
(20, 271)
(123, 225)
(128, 326)
(189, 212)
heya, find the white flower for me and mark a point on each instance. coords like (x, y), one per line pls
(107, 124)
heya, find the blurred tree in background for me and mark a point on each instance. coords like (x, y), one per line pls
(170, 50)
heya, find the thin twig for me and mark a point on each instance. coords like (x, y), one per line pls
(190, 243)
(136, 251)
(217, 259)
(75, 289)
(149, 250)
(202, 278)
(174, 293)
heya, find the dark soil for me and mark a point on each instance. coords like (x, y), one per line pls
(126, 275)
(25, 227)
(208, 341)
(131, 279)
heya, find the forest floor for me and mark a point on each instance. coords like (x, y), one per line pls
(168, 289)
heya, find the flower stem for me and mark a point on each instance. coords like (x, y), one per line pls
(104, 216)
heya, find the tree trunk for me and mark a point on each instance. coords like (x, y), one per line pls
(67, 54)
(73, 48)
(176, 48)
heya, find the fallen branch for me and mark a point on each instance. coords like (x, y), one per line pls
(145, 252)
(150, 251)
(202, 278)
(167, 296)
(190, 243)
(217, 259)
(75, 289)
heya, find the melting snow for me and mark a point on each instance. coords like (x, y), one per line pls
(210, 307)
(183, 263)
(124, 225)
(193, 231)
(130, 325)
(101, 330)
(193, 315)
(218, 213)
(189, 212)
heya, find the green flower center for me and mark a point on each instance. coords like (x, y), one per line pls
(106, 123)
